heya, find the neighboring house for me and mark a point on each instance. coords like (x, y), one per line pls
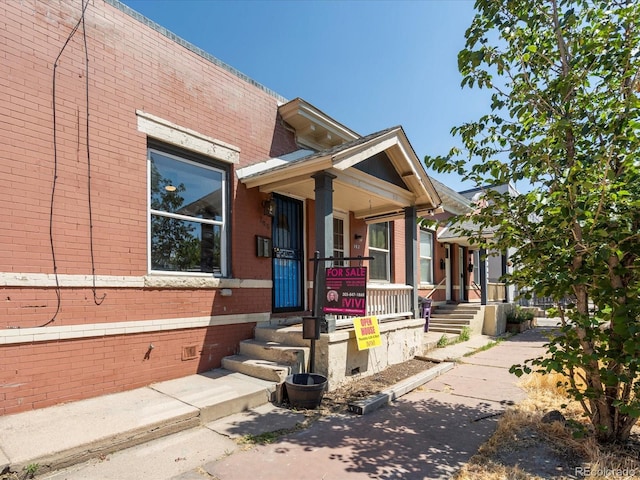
(455, 262)
(498, 263)
(147, 232)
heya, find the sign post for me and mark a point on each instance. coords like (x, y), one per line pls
(351, 282)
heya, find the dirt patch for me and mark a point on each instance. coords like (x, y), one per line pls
(538, 455)
(363, 387)
(535, 440)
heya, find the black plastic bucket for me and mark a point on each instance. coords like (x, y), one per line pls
(305, 390)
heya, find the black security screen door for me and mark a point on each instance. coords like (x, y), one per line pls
(287, 255)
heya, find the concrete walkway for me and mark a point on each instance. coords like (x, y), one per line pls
(427, 433)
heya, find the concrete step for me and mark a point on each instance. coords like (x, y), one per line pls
(431, 340)
(287, 335)
(459, 305)
(456, 315)
(446, 329)
(449, 321)
(263, 369)
(447, 310)
(285, 320)
(457, 326)
(297, 357)
(220, 392)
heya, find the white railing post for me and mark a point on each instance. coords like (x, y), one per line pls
(386, 301)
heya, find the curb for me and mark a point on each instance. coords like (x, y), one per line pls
(368, 405)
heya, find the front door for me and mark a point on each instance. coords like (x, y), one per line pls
(287, 255)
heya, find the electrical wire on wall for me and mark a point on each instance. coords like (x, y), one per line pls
(86, 76)
(84, 5)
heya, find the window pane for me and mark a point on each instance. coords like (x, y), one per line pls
(425, 271)
(426, 251)
(178, 245)
(379, 249)
(379, 235)
(425, 244)
(379, 266)
(338, 241)
(185, 188)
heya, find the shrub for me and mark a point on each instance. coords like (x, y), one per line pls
(519, 315)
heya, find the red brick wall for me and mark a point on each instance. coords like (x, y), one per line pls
(40, 375)
(131, 67)
(30, 307)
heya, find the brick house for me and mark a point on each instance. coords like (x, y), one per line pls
(158, 205)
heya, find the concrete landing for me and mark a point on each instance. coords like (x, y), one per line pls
(67, 434)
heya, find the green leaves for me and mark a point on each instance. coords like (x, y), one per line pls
(564, 117)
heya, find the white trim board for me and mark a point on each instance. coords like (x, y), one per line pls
(68, 332)
(177, 281)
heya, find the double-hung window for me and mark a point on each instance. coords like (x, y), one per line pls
(187, 213)
(426, 257)
(380, 249)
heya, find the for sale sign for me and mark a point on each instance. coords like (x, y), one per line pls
(346, 292)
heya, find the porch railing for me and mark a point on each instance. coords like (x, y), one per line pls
(496, 292)
(386, 301)
(433, 290)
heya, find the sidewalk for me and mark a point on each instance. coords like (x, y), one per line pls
(427, 433)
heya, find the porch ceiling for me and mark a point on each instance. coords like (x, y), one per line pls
(354, 190)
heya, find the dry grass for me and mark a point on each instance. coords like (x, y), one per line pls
(521, 437)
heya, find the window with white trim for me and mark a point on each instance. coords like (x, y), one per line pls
(338, 241)
(426, 257)
(187, 213)
(340, 238)
(380, 249)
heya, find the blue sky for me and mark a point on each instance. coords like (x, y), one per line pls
(368, 64)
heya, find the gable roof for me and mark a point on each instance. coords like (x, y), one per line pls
(360, 190)
(452, 201)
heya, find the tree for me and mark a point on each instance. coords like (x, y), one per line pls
(565, 119)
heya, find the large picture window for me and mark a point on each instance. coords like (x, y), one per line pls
(187, 210)
(426, 257)
(380, 249)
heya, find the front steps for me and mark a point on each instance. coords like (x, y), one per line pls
(275, 352)
(452, 318)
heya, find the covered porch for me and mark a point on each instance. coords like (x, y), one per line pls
(488, 266)
(359, 181)
(364, 182)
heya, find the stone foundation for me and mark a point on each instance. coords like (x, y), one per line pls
(338, 358)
